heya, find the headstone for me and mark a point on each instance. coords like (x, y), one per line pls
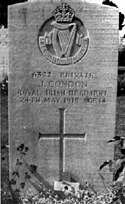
(3, 52)
(63, 82)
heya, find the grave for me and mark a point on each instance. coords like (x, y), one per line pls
(63, 81)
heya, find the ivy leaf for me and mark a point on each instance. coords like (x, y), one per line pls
(116, 138)
(22, 185)
(33, 168)
(118, 172)
(21, 147)
(26, 149)
(27, 176)
(19, 163)
(104, 164)
(12, 182)
(16, 173)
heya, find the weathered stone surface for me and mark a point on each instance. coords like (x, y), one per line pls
(3, 52)
(63, 85)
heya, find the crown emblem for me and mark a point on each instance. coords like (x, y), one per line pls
(63, 13)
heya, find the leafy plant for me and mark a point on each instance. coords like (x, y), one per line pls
(32, 170)
(80, 197)
(46, 194)
(117, 167)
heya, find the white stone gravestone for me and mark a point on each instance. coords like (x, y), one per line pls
(63, 81)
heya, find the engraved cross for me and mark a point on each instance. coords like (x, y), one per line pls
(61, 136)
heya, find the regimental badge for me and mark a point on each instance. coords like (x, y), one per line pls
(63, 39)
